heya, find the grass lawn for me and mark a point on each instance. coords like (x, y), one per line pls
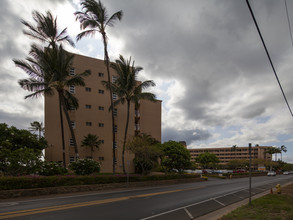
(271, 206)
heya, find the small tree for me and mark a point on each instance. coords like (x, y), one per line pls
(92, 141)
(146, 150)
(234, 164)
(207, 160)
(176, 156)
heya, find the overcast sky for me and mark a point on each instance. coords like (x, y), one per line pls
(212, 74)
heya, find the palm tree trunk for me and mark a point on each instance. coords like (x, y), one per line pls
(62, 130)
(125, 135)
(70, 128)
(107, 61)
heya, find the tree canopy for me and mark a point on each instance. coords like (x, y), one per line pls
(20, 150)
(12, 138)
(176, 156)
(147, 150)
(207, 159)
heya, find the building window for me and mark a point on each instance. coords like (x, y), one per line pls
(114, 79)
(72, 89)
(88, 157)
(72, 71)
(71, 142)
(115, 145)
(115, 111)
(101, 74)
(87, 89)
(88, 123)
(102, 141)
(101, 125)
(114, 96)
(71, 159)
(101, 108)
(101, 158)
(73, 124)
(88, 106)
(115, 128)
(101, 91)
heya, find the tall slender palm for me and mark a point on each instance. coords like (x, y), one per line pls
(128, 90)
(92, 141)
(271, 151)
(45, 30)
(283, 149)
(37, 127)
(95, 19)
(49, 72)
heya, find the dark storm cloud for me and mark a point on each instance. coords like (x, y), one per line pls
(9, 27)
(213, 49)
(17, 120)
(188, 136)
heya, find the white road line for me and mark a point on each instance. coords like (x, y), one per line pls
(188, 213)
(219, 202)
(184, 207)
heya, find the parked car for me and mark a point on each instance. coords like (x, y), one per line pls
(286, 173)
(207, 171)
(271, 173)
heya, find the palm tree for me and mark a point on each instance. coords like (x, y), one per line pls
(128, 89)
(49, 72)
(92, 141)
(271, 151)
(94, 19)
(234, 148)
(283, 149)
(46, 30)
(37, 127)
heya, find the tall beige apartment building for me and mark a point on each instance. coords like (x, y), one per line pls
(239, 153)
(93, 117)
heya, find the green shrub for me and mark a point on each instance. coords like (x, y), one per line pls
(52, 168)
(85, 167)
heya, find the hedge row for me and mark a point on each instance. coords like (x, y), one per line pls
(28, 182)
(246, 174)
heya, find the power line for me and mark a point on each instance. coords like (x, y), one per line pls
(247, 1)
(288, 22)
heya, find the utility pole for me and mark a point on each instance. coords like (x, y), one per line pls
(249, 147)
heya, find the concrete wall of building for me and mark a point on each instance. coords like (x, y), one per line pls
(150, 118)
(93, 117)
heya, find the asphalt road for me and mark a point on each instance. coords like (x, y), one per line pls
(183, 201)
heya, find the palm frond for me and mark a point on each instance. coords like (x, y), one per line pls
(116, 16)
(85, 34)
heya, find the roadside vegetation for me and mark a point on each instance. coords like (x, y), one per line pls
(271, 206)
